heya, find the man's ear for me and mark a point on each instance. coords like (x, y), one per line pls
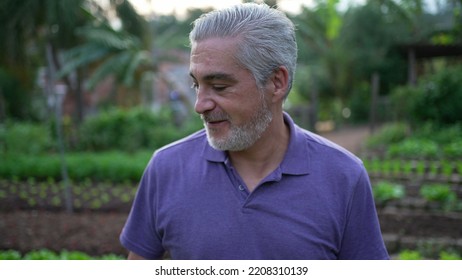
(280, 82)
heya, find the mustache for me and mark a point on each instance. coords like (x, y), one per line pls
(214, 117)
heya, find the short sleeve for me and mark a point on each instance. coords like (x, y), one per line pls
(362, 238)
(139, 234)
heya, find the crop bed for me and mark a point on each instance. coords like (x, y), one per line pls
(32, 217)
(413, 222)
(91, 232)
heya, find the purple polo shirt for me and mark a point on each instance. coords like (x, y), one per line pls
(316, 205)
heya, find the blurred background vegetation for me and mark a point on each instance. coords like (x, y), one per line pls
(105, 77)
(104, 56)
(379, 61)
(113, 85)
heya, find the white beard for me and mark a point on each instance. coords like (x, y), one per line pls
(240, 137)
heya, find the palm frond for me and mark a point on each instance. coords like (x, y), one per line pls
(113, 65)
(81, 56)
(138, 59)
(109, 38)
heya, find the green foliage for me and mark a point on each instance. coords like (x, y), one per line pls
(131, 21)
(386, 191)
(170, 32)
(74, 255)
(130, 130)
(428, 141)
(444, 255)
(116, 129)
(112, 166)
(440, 98)
(114, 257)
(116, 52)
(388, 134)
(359, 103)
(45, 254)
(438, 193)
(414, 148)
(86, 195)
(25, 138)
(419, 255)
(14, 98)
(10, 255)
(436, 99)
(410, 255)
(449, 138)
(441, 134)
(28, 28)
(39, 166)
(372, 43)
(402, 99)
(134, 134)
(453, 150)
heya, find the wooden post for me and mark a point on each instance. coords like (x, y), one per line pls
(313, 110)
(375, 82)
(411, 60)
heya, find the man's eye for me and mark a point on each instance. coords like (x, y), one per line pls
(219, 87)
(195, 86)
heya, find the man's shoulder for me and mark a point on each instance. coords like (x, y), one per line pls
(190, 145)
(307, 144)
(327, 147)
(184, 152)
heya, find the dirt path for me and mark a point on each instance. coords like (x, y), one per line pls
(351, 138)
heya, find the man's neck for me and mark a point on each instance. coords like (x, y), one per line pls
(262, 158)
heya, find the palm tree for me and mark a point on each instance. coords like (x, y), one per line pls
(32, 28)
(107, 51)
(36, 32)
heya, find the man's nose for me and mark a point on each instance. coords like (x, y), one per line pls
(204, 102)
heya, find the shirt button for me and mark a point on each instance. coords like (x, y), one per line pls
(241, 187)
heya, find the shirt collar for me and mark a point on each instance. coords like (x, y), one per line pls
(296, 160)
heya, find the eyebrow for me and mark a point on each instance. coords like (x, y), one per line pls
(217, 76)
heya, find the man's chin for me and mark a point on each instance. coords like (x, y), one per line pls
(217, 144)
(222, 145)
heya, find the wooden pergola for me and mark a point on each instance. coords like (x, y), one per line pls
(416, 52)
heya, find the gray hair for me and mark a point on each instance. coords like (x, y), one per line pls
(267, 37)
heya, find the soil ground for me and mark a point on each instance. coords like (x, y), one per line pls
(91, 232)
(351, 138)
